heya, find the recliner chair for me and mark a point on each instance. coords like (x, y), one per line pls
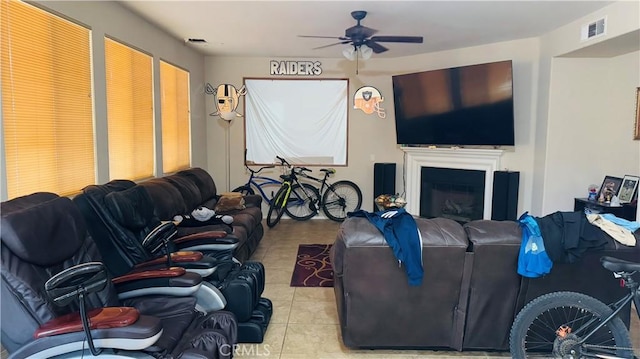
(121, 239)
(44, 236)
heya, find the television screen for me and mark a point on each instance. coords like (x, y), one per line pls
(468, 105)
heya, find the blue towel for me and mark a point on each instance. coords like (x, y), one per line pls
(533, 260)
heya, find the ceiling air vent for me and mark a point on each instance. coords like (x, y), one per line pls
(593, 29)
(197, 41)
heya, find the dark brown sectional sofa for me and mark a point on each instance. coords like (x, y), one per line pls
(184, 191)
(470, 293)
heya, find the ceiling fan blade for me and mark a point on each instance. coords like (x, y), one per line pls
(409, 39)
(324, 37)
(336, 43)
(376, 47)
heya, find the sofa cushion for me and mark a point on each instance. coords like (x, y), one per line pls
(202, 179)
(190, 192)
(167, 199)
(131, 208)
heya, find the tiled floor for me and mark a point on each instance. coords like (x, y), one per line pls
(305, 321)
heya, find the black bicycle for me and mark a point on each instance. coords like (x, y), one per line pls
(338, 198)
(298, 200)
(574, 325)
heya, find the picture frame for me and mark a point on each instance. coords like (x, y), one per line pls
(611, 185)
(636, 132)
(628, 188)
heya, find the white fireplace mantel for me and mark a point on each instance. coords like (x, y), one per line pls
(487, 160)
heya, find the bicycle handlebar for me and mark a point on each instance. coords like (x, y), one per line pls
(260, 169)
(283, 161)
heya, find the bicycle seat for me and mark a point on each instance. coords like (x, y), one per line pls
(619, 265)
(328, 170)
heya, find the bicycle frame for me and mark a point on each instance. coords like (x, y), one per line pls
(258, 182)
(633, 295)
(264, 182)
(324, 184)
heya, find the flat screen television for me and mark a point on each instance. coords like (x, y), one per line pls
(467, 105)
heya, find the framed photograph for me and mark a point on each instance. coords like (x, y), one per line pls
(628, 188)
(636, 133)
(610, 186)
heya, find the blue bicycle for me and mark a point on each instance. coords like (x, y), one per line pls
(259, 183)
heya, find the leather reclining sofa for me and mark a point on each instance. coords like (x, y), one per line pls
(184, 191)
(471, 291)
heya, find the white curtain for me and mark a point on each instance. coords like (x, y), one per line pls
(304, 121)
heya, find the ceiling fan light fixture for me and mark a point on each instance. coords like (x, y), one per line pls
(366, 52)
(350, 53)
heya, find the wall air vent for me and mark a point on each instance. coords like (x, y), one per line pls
(593, 29)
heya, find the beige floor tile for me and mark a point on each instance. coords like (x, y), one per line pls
(315, 295)
(313, 339)
(278, 292)
(279, 275)
(281, 310)
(313, 313)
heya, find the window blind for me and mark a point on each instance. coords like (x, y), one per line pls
(47, 104)
(129, 111)
(174, 87)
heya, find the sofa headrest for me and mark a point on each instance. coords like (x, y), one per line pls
(132, 208)
(202, 180)
(44, 233)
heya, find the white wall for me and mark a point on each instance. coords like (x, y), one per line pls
(590, 133)
(576, 97)
(372, 139)
(111, 19)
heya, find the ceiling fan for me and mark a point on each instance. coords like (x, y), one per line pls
(360, 35)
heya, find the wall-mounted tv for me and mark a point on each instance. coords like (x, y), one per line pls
(468, 105)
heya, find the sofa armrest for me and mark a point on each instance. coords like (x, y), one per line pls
(156, 273)
(253, 200)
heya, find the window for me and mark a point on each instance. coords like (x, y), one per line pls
(129, 111)
(174, 89)
(304, 121)
(47, 104)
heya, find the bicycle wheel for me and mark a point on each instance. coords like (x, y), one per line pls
(340, 198)
(276, 208)
(552, 325)
(245, 190)
(303, 202)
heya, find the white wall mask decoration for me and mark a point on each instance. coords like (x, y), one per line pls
(368, 99)
(226, 100)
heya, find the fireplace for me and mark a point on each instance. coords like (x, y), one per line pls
(485, 161)
(457, 194)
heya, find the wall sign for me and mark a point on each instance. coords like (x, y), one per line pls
(298, 68)
(368, 99)
(227, 98)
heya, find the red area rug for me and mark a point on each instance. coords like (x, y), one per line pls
(312, 268)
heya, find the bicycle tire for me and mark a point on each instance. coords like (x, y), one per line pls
(341, 198)
(245, 190)
(302, 205)
(533, 333)
(276, 208)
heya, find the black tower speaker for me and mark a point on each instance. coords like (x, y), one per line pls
(504, 205)
(384, 180)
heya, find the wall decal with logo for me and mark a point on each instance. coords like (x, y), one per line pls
(368, 99)
(227, 98)
(295, 68)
